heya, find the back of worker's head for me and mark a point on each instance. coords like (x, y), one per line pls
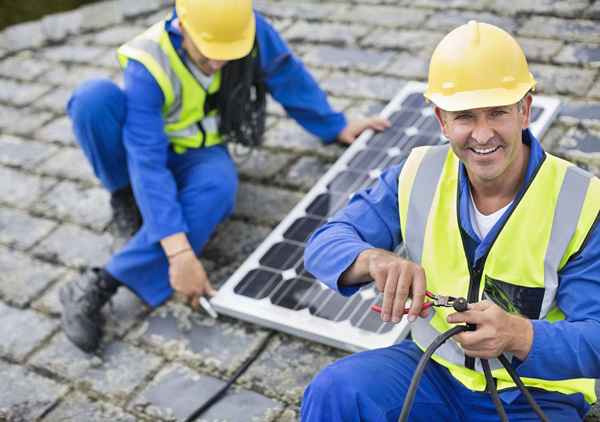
(220, 29)
(477, 65)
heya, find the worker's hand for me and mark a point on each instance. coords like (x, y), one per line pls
(398, 279)
(497, 331)
(355, 127)
(187, 277)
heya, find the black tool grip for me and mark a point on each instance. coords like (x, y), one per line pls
(460, 304)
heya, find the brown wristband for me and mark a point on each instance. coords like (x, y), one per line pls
(179, 252)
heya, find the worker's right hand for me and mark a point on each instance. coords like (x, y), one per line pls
(398, 279)
(188, 277)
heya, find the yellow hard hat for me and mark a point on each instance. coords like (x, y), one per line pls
(477, 65)
(220, 29)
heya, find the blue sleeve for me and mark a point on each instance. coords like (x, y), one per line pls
(293, 87)
(574, 341)
(147, 152)
(370, 220)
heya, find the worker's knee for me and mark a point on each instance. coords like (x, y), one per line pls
(329, 396)
(93, 99)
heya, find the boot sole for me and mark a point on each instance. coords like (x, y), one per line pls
(85, 347)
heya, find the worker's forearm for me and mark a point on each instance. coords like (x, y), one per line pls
(522, 336)
(175, 243)
(359, 272)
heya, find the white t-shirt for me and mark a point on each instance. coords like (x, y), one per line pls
(482, 224)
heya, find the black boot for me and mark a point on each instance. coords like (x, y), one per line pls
(82, 301)
(127, 219)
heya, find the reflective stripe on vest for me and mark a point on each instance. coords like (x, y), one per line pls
(186, 125)
(428, 186)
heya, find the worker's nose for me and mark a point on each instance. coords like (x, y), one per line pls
(482, 131)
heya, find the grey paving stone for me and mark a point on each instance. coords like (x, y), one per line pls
(77, 407)
(175, 393)
(242, 405)
(365, 108)
(69, 163)
(24, 66)
(286, 367)
(287, 135)
(586, 112)
(446, 20)
(21, 189)
(234, 241)
(24, 395)
(49, 302)
(71, 202)
(539, 49)
(21, 121)
(552, 138)
(123, 312)
(448, 4)
(22, 36)
(321, 32)
(110, 60)
(12, 225)
(566, 8)
(390, 16)
(595, 91)
(59, 130)
(264, 204)
(77, 75)
(290, 414)
(580, 54)
(114, 37)
(73, 53)
(347, 58)
(22, 331)
(562, 80)
(408, 66)
(359, 86)
(23, 279)
(56, 100)
(306, 172)
(179, 333)
(261, 164)
(101, 15)
(593, 11)
(580, 145)
(75, 247)
(299, 10)
(57, 26)
(339, 103)
(115, 372)
(132, 9)
(417, 41)
(21, 94)
(27, 154)
(274, 108)
(155, 17)
(564, 29)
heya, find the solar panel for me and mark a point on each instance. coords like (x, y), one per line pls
(273, 289)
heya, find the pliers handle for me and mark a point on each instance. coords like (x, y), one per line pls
(437, 300)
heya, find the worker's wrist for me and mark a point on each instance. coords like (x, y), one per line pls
(175, 244)
(522, 336)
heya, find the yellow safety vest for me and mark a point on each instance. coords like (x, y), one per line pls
(548, 225)
(183, 111)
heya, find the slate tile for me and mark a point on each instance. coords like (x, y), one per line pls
(21, 231)
(21, 121)
(77, 75)
(595, 91)
(417, 41)
(390, 16)
(299, 10)
(23, 279)
(115, 372)
(566, 8)
(322, 32)
(562, 80)
(24, 395)
(14, 323)
(289, 136)
(264, 204)
(581, 145)
(23, 66)
(101, 15)
(73, 53)
(175, 393)
(75, 247)
(59, 130)
(22, 36)
(360, 86)
(261, 164)
(446, 20)
(58, 26)
(241, 405)
(347, 58)
(365, 108)
(306, 172)
(540, 50)
(69, 201)
(115, 36)
(286, 367)
(586, 112)
(131, 9)
(20, 189)
(27, 154)
(77, 407)
(580, 54)
(69, 163)
(21, 94)
(49, 302)
(564, 29)
(290, 414)
(408, 66)
(179, 333)
(234, 241)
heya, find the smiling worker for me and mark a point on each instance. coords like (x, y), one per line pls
(192, 82)
(491, 217)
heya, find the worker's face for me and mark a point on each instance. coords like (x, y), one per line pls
(207, 66)
(487, 140)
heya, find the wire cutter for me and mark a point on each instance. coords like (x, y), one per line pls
(436, 300)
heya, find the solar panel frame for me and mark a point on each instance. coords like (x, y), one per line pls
(303, 323)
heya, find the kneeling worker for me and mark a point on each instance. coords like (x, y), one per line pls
(491, 217)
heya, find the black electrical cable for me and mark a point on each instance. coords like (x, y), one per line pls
(517, 380)
(412, 389)
(491, 388)
(217, 396)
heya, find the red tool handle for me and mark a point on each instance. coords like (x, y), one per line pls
(378, 308)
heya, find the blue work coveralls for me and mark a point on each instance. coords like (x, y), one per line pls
(121, 132)
(371, 386)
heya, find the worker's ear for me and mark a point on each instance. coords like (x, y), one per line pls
(526, 111)
(441, 116)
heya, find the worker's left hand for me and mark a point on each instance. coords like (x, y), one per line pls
(355, 127)
(497, 331)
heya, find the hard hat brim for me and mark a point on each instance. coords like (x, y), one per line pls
(483, 98)
(229, 50)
